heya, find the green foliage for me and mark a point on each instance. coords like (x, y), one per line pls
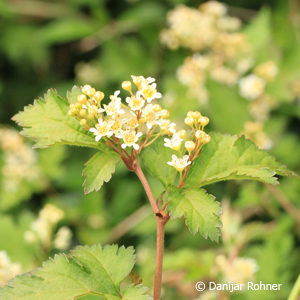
(12, 238)
(155, 158)
(86, 271)
(99, 169)
(228, 108)
(47, 122)
(228, 157)
(200, 210)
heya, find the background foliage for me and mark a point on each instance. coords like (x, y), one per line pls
(61, 43)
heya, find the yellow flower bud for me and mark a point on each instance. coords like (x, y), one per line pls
(156, 108)
(98, 96)
(203, 121)
(138, 81)
(165, 114)
(200, 134)
(91, 92)
(72, 111)
(126, 85)
(77, 105)
(85, 89)
(81, 98)
(182, 134)
(83, 113)
(189, 146)
(205, 139)
(190, 114)
(83, 122)
(189, 121)
(196, 115)
(91, 116)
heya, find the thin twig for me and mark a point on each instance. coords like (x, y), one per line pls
(130, 222)
(284, 202)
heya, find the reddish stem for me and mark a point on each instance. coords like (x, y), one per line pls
(161, 220)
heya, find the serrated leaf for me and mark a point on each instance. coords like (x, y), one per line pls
(86, 271)
(228, 157)
(155, 158)
(99, 169)
(200, 209)
(47, 122)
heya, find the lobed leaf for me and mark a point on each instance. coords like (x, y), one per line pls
(228, 157)
(87, 271)
(200, 209)
(99, 169)
(47, 122)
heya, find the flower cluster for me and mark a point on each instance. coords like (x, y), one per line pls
(238, 270)
(19, 160)
(8, 269)
(138, 123)
(254, 132)
(42, 229)
(220, 50)
(192, 142)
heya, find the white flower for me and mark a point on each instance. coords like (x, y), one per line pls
(130, 138)
(267, 70)
(8, 269)
(117, 124)
(103, 128)
(251, 86)
(63, 238)
(214, 8)
(149, 91)
(132, 122)
(114, 106)
(135, 102)
(51, 213)
(239, 270)
(150, 116)
(173, 143)
(179, 163)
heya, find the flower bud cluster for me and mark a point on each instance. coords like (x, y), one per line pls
(123, 125)
(19, 160)
(139, 122)
(42, 229)
(220, 50)
(8, 269)
(188, 145)
(254, 132)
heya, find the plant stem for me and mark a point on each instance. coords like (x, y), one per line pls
(142, 178)
(161, 220)
(160, 242)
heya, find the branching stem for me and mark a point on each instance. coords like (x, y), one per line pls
(161, 220)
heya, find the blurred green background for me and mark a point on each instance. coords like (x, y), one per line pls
(57, 44)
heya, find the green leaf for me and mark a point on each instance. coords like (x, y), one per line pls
(99, 169)
(155, 158)
(200, 209)
(86, 271)
(47, 122)
(67, 30)
(228, 157)
(259, 33)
